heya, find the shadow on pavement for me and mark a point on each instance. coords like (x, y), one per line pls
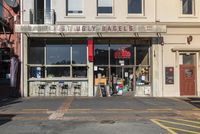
(4, 118)
(9, 101)
(195, 101)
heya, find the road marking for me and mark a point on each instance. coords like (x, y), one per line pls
(61, 110)
(177, 123)
(196, 109)
(164, 109)
(196, 122)
(79, 109)
(119, 109)
(183, 130)
(163, 126)
(35, 109)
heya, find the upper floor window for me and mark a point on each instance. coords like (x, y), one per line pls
(104, 6)
(187, 7)
(74, 7)
(135, 6)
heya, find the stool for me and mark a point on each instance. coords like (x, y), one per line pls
(64, 89)
(77, 89)
(52, 89)
(41, 89)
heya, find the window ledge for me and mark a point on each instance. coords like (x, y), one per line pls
(188, 16)
(136, 17)
(105, 17)
(75, 16)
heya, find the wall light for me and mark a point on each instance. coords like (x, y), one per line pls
(189, 39)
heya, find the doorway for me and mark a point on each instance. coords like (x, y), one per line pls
(123, 75)
(187, 74)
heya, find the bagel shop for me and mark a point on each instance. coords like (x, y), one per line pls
(77, 60)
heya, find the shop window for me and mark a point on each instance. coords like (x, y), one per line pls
(142, 55)
(135, 6)
(101, 54)
(121, 54)
(58, 54)
(4, 64)
(80, 72)
(36, 53)
(74, 7)
(58, 72)
(36, 72)
(79, 54)
(104, 6)
(142, 75)
(187, 7)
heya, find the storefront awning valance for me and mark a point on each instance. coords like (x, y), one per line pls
(92, 28)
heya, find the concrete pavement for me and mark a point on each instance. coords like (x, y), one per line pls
(95, 115)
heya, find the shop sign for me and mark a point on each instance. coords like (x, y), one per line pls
(169, 75)
(95, 28)
(122, 54)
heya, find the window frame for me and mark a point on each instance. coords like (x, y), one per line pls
(137, 14)
(193, 9)
(73, 14)
(104, 14)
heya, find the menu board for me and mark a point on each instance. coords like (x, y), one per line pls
(169, 75)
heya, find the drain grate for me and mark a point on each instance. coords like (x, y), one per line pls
(107, 122)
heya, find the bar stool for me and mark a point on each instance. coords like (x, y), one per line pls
(52, 89)
(41, 89)
(77, 89)
(64, 89)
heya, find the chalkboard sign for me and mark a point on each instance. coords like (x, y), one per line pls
(169, 75)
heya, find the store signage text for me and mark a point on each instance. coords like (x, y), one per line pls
(122, 54)
(27, 28)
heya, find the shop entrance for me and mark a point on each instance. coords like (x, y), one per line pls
(123, 76)
(123, 65)
(187, 75)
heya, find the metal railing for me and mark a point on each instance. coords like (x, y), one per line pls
(42, 16)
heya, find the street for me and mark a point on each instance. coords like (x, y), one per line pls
(111, 115)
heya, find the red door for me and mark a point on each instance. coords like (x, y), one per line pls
(187, 80)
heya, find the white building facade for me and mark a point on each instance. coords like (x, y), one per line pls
(142, 47)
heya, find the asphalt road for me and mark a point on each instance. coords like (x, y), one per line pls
(113, 115)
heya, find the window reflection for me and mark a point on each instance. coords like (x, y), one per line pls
(79, 72)
(135, 6)
(79, 54)
(58, 72)
(36, 53)
(58, 54)
(142, 55)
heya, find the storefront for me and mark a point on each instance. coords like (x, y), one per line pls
(73, 60)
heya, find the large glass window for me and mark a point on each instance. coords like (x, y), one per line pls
(187, 7)
(79, 54)
(36, 52)
(51, 58)
(74, 7)
(101, 54)
(58, 72)
(142, 55)
(121, 54)
(135, 6)
(104, 6)
(58, 54)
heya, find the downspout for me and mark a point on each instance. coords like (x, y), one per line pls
(22, 50)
